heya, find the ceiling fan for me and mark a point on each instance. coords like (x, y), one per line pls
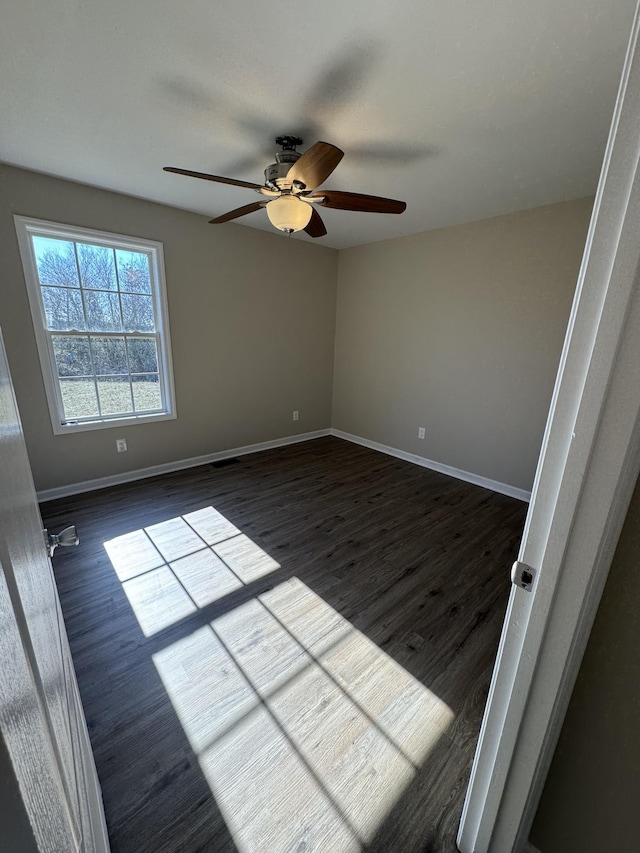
(290, 189)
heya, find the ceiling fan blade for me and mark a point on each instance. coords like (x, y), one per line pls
(357, 201)
(315, 165)
(239, 211)
(233, 181)
(316, 227)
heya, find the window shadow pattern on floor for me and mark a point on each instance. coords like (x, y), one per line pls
(307, 733)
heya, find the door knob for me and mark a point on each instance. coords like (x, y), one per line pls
(66, 538)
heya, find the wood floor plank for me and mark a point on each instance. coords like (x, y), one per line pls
(291, 653)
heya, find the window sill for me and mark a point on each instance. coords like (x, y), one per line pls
(63, 429)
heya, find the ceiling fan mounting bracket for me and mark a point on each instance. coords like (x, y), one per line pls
(288, 143)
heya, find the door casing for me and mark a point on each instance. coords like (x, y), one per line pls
(52, 796)
(588, 467)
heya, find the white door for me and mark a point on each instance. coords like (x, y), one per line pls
(587, 470)
(56, 798)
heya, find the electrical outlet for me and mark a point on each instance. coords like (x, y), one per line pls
(420, 432)
(296, 415)
(121, 444)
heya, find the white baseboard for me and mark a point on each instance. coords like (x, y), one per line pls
(168, 467)
(180, 464)
(467, 476)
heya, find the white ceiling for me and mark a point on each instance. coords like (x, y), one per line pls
(463, 108)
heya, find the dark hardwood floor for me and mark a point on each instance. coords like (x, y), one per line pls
(300, 665)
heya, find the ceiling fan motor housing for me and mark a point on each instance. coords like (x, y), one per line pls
(275, 175)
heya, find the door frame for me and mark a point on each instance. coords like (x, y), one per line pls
(40, 812)
(588, 467)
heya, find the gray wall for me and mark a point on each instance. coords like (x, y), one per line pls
(252, 319)
(459, 330)
(590, 800)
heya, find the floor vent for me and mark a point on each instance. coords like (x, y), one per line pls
(222, 463)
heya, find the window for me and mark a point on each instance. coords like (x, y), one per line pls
(99, 310)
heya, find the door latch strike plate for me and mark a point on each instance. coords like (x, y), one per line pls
(522, 575)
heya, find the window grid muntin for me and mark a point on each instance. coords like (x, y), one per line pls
(97, 289)
(126, 343)
(84, 311)
(95, 376)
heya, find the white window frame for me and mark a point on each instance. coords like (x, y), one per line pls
(26, 228)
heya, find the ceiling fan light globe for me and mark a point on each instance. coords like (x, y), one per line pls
(289, 213)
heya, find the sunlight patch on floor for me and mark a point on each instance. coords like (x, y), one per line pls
(306, 731)
(205, 576)
(171, 569)
(158, 599)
